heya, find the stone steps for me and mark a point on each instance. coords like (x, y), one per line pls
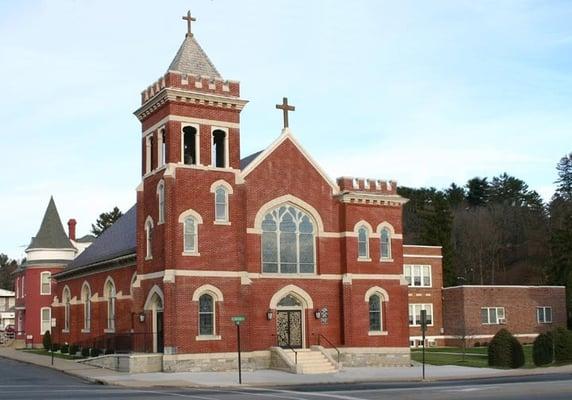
(312, 362)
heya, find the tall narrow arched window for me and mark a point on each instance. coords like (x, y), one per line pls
(385, 239)
(148, 153)
(206, 315)
(148, 239)
(110, 294)
(363, 243)
(86, 299)
(66, 297)
(190, 235)
(219, 149)
(162, 147)
(288, 241)
(190, 145)
(375, 313)
(221, 204)
(161, 202)
(153, 161)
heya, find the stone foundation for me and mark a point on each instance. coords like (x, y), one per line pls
(132, 363)
(373, 357)
(216, 362)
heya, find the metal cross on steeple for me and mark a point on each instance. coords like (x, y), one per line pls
(285, 107)
(189, 19)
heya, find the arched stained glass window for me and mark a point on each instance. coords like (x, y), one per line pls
(363, 242)
(385, 243)
(221, 204)
(375, 313)
(288, 241)
(67, 308)
(206, 315)
(190, 239)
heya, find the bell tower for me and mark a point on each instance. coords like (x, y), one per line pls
(190, 115)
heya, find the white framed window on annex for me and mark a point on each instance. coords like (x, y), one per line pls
(418, 275)
(221, 190)
(190, 221)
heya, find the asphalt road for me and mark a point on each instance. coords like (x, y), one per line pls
(23, 381)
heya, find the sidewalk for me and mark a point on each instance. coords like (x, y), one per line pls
(269, 377)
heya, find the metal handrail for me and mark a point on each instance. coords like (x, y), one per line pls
(295, 353)
(330, 343)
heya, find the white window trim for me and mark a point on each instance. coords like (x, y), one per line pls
(198, 220)
(161, 159)
(422, 275)
(148, 150)
(42, 293)
(424, 306)
(149, 238)
(23, 292)
(226, 152)
(109, 281)
(496, 315)
(161, 202)
(544, 308)
(197, 143)
(86, 300)
(368, 230)
(42, 330)
(389, 258)
(229, 191)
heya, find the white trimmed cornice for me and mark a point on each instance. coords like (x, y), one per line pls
(372, 198)
(181, 95)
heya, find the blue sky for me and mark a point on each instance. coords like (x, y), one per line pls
(423, 92)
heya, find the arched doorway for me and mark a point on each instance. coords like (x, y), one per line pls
(154, 305)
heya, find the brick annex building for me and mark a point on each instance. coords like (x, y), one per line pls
(305, 259)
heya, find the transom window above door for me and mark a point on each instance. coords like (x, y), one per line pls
(289, 301)
(288, 241)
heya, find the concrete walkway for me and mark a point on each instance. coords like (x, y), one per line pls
(268, 377)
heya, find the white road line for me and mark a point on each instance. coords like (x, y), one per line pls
(189, 396)
(323, 394)
(248, 391)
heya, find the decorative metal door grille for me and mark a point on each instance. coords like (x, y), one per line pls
(289, 325)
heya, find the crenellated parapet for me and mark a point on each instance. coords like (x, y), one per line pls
(191, 82)
(352, 184)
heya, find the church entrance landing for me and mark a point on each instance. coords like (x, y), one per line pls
(290, 323)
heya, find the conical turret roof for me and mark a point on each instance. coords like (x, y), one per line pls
(192, 59)
(51, 234)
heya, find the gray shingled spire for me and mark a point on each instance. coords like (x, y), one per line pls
(51, 234)
(192, 59)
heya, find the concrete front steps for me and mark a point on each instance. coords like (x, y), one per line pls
(314, 360)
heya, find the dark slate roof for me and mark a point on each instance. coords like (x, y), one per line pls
(51, 234)
(86, 239)
(192, 59)
(116, 241)
(248, 159)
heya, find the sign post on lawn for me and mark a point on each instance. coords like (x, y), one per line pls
(237, 321)
(423, 329)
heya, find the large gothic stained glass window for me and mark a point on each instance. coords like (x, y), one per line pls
(288, 241)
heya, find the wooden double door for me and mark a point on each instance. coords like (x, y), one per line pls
(289, 328)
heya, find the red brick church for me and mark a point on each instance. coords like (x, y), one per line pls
(314, 265)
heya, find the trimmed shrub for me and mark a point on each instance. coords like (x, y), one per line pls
(65, 348)
(85, 351)
(55, 346)
(94, 352)
(73, 349)
(542, 350)
(562, 345)
(47, 340)
(505, 351)
(109, 351)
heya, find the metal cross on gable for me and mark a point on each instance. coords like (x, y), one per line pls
(189, 19)
(285, 107)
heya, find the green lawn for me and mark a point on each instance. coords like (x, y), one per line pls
(474, 357)
(43, 352)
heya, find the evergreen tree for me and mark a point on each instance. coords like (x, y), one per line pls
(455, 196)
(477, 192)
(7, 268)
(105, 220)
